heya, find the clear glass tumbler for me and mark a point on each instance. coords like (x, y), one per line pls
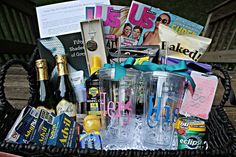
(162, 98)
(118, 106)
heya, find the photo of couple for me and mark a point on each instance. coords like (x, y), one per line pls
(136, 32)
(133, 33)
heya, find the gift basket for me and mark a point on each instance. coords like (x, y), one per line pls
(220, 133)
(147, 96)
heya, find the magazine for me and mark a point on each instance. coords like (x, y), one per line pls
(89, 12)
(143, 22)
(114, 18)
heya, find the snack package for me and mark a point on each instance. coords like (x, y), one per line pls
(185, 46)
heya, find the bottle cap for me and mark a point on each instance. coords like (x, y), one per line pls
(96, 64)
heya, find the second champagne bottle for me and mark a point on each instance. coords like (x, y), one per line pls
(64, 92)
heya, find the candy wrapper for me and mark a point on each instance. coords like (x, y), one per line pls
(196, 66)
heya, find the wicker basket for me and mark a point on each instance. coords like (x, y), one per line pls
(221, 135)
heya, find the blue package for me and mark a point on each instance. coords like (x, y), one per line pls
(43, 128)
(90, 140)
(13, 136)
(27, 125)
(64, 132)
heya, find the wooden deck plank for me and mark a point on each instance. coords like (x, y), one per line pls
(4, 25)
(227, 56)
(212, 36)
(16, 84)
(231, 39)
(16, 70)
(18, 104)
(219, 37)
(11, 23)
(227, 27)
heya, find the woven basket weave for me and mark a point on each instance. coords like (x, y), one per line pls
(221, 135)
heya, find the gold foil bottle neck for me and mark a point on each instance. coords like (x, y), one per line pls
(42, 69)
(62, 67)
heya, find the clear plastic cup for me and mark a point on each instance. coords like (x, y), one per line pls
(118, 106)
(163, 96)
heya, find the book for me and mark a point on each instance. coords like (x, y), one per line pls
(114, 17)
(71, 45)
(147, 19)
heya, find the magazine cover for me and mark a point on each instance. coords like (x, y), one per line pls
(71, 45)
(143, 22)
(89, 12)
(114, 18)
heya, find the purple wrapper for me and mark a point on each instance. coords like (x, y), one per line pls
(196, 66)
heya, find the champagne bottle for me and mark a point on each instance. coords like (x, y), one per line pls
(64, 92)
(45, 99)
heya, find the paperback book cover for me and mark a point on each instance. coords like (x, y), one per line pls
(146, 19)
(114, 18)
(70, 45)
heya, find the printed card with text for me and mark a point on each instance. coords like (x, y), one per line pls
(199, 104)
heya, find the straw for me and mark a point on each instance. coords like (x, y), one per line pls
(166, 47)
